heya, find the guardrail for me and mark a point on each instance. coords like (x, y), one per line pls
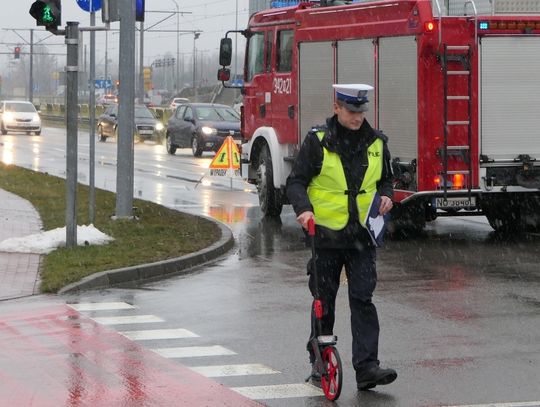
(56, 112)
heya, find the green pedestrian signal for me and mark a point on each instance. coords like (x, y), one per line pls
(48, 18)
(47, 13)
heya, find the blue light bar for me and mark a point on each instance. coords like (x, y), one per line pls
(289, 3)
(483, 25)
(284, 3)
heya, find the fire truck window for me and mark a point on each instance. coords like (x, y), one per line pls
(269, 46)
(255, 55)
(284, 54)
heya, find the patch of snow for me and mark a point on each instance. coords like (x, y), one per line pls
(46, 242)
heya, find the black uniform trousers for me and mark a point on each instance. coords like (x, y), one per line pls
(362, 278)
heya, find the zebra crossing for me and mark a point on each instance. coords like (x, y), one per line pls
(179, 352)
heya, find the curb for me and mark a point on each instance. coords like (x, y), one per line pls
(131, 276)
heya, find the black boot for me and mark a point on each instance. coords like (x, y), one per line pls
(315, 377)
(374, 376)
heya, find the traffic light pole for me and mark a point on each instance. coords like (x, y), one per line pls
(126, 112)
(48, 13)
(72, 101)
(31, 84)
(92, 124)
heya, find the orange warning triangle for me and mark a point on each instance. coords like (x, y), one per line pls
(228, 156)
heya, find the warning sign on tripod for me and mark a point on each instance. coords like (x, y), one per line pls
(226, 163)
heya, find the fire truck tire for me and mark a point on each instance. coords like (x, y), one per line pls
(502, 216)
(406, 221)
(269, 196)
(502, 223)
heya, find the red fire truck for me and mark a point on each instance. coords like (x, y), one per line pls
(457, 95)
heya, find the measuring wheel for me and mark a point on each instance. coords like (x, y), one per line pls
(332, 378)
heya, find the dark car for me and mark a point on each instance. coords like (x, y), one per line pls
(147, 126)
(202, 126)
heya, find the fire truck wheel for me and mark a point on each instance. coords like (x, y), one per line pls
(503, 216)
(406, 221)
(503, 223)
(269, 198)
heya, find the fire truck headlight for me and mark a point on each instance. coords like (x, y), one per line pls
(208, 130)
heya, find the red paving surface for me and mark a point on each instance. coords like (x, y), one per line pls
(50, 355)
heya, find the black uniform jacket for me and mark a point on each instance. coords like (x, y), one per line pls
(351, 146)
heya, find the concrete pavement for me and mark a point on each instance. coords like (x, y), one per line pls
(19, 272)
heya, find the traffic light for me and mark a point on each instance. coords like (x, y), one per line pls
(47, 13)
(17, 52)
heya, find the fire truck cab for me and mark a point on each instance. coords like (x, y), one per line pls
(457, 92)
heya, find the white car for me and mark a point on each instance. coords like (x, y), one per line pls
(177, 101)
(20, 116)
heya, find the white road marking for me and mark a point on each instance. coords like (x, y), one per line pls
(233, 370)
(132, 319)
(513, 404)
(152, 334)
(100, 306)
(193, 351)
(279, 391)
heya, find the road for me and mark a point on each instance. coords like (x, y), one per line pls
(459, 305)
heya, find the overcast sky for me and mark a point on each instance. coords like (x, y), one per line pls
(212, 17)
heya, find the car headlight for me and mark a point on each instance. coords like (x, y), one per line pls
(159, 126)
(35, 118)
(8, 117)
(208, 130)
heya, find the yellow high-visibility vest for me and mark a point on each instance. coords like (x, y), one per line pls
(328, 191)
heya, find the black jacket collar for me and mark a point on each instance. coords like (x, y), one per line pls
(330, 140)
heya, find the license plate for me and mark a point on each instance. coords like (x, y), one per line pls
(455, 202)
(145, 132)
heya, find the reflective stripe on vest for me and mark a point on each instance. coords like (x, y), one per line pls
(328, 191)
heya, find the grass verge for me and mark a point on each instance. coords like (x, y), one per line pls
(159, 233)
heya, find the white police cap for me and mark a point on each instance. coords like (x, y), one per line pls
(353, 96)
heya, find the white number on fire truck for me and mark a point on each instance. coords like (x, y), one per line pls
(282, 85)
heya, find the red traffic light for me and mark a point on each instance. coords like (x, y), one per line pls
(17, 52)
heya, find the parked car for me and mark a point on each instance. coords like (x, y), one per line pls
(147, 126)
(176, 102)
(202, 126)
(107, 100)
(20, 116)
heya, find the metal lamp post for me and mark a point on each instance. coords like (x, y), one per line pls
(176, 77)
(195, 37)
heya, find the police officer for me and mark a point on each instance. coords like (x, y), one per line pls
(340, 169)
